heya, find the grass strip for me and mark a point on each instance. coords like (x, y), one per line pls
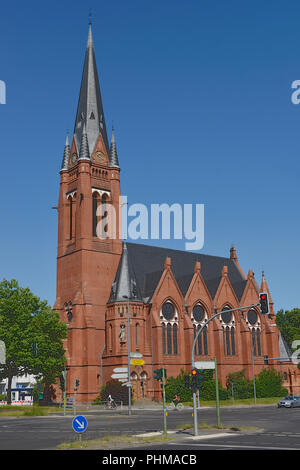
(114, 442)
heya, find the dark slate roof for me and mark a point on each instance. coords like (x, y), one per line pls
(148, 265)
(125, 285)
(90, 108)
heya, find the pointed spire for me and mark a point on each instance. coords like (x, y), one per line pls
(90, 36)
(90, 108)
(84, 146)
(125, 285)
(264, 287)
(113, 155)
(66, 155)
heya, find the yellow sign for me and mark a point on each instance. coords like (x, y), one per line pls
(137, 362)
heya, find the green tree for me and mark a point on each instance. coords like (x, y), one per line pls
(288, 323)
(26, 321)
(48, 358)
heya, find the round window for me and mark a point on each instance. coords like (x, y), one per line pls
(168, 310)
(226, 316)
(252, 317)
(198, 313)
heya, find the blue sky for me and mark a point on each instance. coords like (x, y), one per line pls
(200, 96)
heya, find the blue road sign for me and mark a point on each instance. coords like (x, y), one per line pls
(79, 424)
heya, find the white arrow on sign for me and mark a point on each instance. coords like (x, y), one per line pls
(80, 424)
(127, 384)
(121, 369)
(136, 355)
(120, 376)
(123, 380)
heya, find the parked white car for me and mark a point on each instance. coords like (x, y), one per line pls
(291, 401)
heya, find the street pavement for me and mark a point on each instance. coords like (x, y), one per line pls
(275, 429)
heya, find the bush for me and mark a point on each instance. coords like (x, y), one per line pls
(269, 384)
(242, 386)
(175, 386)
(208, 391)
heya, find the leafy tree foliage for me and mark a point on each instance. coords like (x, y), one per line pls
(269, 384)
(242, 386)
(25, 322)
(176, 386)
(288, 323)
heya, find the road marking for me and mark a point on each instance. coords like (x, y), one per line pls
(233, 446)
(212, 436)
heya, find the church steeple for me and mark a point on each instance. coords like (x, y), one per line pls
(113, 155)
(90, 108)
(125, 285)
(66, 155)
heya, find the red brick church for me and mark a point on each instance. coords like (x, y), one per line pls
(169, 293)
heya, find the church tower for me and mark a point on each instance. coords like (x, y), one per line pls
(88, 251)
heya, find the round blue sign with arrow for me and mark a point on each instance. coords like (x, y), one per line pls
(79, 424)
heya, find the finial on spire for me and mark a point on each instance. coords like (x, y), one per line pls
(90, 37)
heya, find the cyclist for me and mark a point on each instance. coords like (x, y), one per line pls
(111, 401)
(176, 400)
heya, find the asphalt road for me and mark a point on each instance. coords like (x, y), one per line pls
(279, 429)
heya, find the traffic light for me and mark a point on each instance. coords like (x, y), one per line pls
(159, 374)
(194, 380)
(187, 382)
(197, 379)
(200, 377)
(62, 383)
(264, 303)
(266, 360)
(34, 349)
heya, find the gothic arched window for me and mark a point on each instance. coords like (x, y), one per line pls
(71, 217)
(199, 317)
(94, 213)
(228, 331)
(175, 338)
(169, 338)
(169, 323)
(253, 321)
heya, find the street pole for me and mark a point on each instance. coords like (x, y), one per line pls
(129, 347)
(74, 405)
(65, 388)
(217, 394)
(193, 354)
(195, 414)
(164, 401)
(254, 387)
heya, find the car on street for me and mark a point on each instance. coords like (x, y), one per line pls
(291, 401)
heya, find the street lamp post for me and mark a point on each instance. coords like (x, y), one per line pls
(129, 347)
(193, 357)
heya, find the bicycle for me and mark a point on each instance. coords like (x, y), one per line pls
(175, 406)
(110, 405)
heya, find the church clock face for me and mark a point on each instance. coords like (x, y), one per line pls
(101, 157)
